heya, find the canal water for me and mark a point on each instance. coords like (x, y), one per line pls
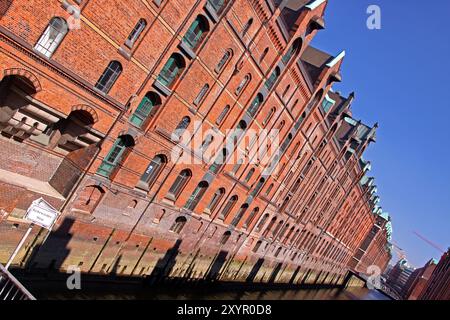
(214, 294)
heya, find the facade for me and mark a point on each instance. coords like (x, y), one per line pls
(183, 139)
(418, 280)
(438, 285)
(400, 275)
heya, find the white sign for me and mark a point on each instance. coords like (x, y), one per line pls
(42, 213)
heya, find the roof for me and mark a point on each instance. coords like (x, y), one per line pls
(314, 61)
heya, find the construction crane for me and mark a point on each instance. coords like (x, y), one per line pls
(431, 243)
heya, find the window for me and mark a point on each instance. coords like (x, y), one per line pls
(249, 175)
(225, 58)
(327, 103)
(240, 214)
(219, 162)
(257, 246)
(181, 127)
(247, 26)
(180, 183)
(258, 187)
(216, 199)
(52, 37)
(230, 204)
(136, 32)
(218, 5)
(197, 195)
(251, 217)
(115, 155)
(269, 116)
(225, 237)
(281, 125)
(109, 76)
(146, 108)
(207, 142)
(201, 94)
(295, 48)
(172, 70)
(223, 114)
(269, 189)
(154, 169)
(263, 55)
(237, 166)
(262, 222)
(286, 90)
(273, 78)
(178, 224)
(254, 106)
(243, 84)
(196, 32)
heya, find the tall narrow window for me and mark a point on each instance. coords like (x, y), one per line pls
(178, 224)
(172, 70)
(228, 207)
(207, 142)
(153, 170)
(239, 215)
(115, 155)
(196, 32)
(52, 37)
(223, 61)
(219, 162)
(258, 187)
(223, 114)
(237, 166)
(295, 48)
(181, 128)
(201, 95)
(269, 116)
(136, 32)
(146, 109)
(262, 222)
(263, 55)
(247, 26)
(197, 195)
(251, 217)
(216, 199)
(109, 76)
(225, 237)
(269, 189)
(249, 175)
(180, 183)
(256, 103)
(273, 78)
(243, 84)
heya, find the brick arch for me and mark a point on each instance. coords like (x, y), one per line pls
(88, 109)
(26, 74)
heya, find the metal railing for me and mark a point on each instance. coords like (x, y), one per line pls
(11, 288)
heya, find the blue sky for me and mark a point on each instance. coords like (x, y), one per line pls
(401, 77)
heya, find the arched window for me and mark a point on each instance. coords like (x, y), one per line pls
(237, 166)
(223, 61)
(222, 115)
(172, 70)
(196, 32)
(258, 187)
(256, 103)
(251, 217)
(115, 155)
(52, 37)
(109, 76)
(225, 237)
(219, 162)
(269, 226)
(262, 222)
(257, 246)
(181, 127)
(201, 94)
(294, 49)
(145, 109)
(197, 195)
(180, 183)
(207, 142)
(217, 197)
(229, 206)
(281, 125)
(264, 54)
(178, 224)
(269, 116)
(154, 169)
(239, 215)
(243, 84)
(136, 32)
(218, 5)
(247, 26)
(278, 228)
(286, 90)
(249, 175)
(269, 189)
(273, 78)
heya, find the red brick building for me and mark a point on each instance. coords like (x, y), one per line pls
(438, 285)
(418, 280)
(192, 139)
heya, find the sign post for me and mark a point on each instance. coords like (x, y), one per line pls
(41, 213)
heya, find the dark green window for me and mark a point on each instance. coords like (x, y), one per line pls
(171, 70)
(273, 78)
(255, 105)
(196, 32)
(218, 5)
(145, 109)
(115, 155)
